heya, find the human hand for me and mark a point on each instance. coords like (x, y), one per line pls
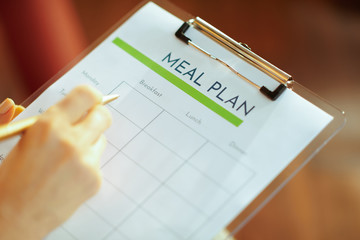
(8, 111)
(54, 167)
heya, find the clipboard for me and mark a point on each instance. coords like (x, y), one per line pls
(243, 51)
(282, 83)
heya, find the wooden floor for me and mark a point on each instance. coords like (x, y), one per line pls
(318, 42)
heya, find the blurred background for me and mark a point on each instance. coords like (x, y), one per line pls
(317, 42)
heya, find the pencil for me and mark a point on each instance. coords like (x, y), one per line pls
(15, 128)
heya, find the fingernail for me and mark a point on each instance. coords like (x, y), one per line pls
(6, 105)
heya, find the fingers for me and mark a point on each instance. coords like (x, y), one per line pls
(78, 102)
(94, 124)
(7, 109)
(80, 119)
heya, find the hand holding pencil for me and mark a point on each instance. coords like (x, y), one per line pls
(54, 167)
(11, 111)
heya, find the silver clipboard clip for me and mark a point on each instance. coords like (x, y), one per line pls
(239, 49)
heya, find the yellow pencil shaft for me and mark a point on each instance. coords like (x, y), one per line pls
(12, 129)
(9, 130)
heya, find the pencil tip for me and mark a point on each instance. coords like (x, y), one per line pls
(109, 98)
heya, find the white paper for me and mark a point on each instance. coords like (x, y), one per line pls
(173, 168)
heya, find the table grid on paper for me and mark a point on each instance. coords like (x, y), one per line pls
(177, 177)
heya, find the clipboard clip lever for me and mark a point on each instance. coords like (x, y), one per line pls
(239, 49)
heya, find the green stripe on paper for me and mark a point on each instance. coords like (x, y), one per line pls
(178, 82)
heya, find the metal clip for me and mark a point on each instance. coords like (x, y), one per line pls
(239, 49)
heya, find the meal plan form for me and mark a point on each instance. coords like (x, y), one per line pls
(191, 144)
